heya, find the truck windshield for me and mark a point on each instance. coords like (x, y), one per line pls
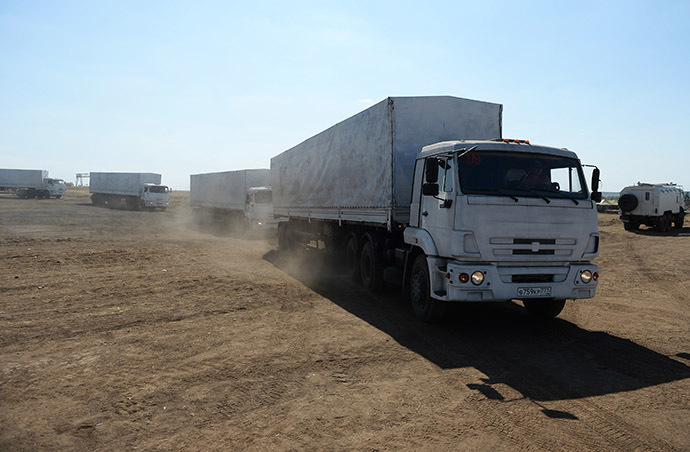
(263, 197)
(521, 174)
(158, 189)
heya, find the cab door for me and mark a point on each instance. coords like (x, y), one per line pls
(437, 212)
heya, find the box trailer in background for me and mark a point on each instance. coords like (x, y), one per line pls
(238, 199)
(129, 190)
(423, 192)
(654, 205)
(31, 183)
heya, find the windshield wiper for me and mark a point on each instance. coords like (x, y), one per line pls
(528, 190)
(467, 151)
(561, 194)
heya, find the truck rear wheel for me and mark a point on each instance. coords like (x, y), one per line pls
(664, 223)
(544, 308)
(372, 275)
(424, 307)
(680, 217)
(284, 236)
(631, 225)
(352, 258)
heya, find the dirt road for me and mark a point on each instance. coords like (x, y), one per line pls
(128, 330)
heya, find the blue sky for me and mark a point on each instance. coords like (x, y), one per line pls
(185, 87)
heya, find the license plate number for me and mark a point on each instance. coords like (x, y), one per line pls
(534, 291)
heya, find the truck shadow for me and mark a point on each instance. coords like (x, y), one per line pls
(682, 232)
(549, 361)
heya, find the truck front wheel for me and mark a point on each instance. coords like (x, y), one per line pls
(544, 308)
(424, 307)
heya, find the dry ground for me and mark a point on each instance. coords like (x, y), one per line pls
(133, 331)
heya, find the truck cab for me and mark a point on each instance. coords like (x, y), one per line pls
(55, 187)
(155, 195)
(501, 220)
(258, 208)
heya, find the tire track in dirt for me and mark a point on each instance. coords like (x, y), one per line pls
(595, 427)
(610, 428)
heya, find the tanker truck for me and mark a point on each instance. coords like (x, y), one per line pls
(129, 190)
(424, 193)
(237, 199)
(31, 184)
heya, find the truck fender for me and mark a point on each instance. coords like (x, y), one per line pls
(418, 237)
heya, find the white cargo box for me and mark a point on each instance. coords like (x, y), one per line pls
(361, 169)
(127, 184)
(225, 190)
(20, 178)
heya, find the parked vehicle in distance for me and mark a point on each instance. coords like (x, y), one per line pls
(31, 183)
(422, 192)
(129, 190)
(237, 199)
(654, 205)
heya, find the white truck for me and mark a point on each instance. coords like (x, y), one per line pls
(129, 190)
(31, 183)
(654, 205)
(239, 199)
(423, 192)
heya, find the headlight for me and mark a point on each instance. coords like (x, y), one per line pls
(477, 278)
(586, 276)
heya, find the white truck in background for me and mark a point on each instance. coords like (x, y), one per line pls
(238, 199)
(31, 183)
(423, 192)
(654, 205)
(129, 190)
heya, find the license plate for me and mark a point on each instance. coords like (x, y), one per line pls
(534, 291)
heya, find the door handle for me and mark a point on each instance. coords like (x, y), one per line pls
(425, 213)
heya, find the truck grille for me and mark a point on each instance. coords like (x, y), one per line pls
(509, 246)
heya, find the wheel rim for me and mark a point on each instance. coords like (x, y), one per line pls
(366, 265)
(417, 290)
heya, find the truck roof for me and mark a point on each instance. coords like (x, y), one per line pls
(670, 186)
(493, 145)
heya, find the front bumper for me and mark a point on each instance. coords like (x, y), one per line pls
(154, 203)
(510, 282)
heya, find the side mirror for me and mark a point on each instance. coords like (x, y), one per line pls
(432, 170)
(595, 179)
(429, 189)
(596, 194)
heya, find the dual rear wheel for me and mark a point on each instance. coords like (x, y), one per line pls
(362, 262)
